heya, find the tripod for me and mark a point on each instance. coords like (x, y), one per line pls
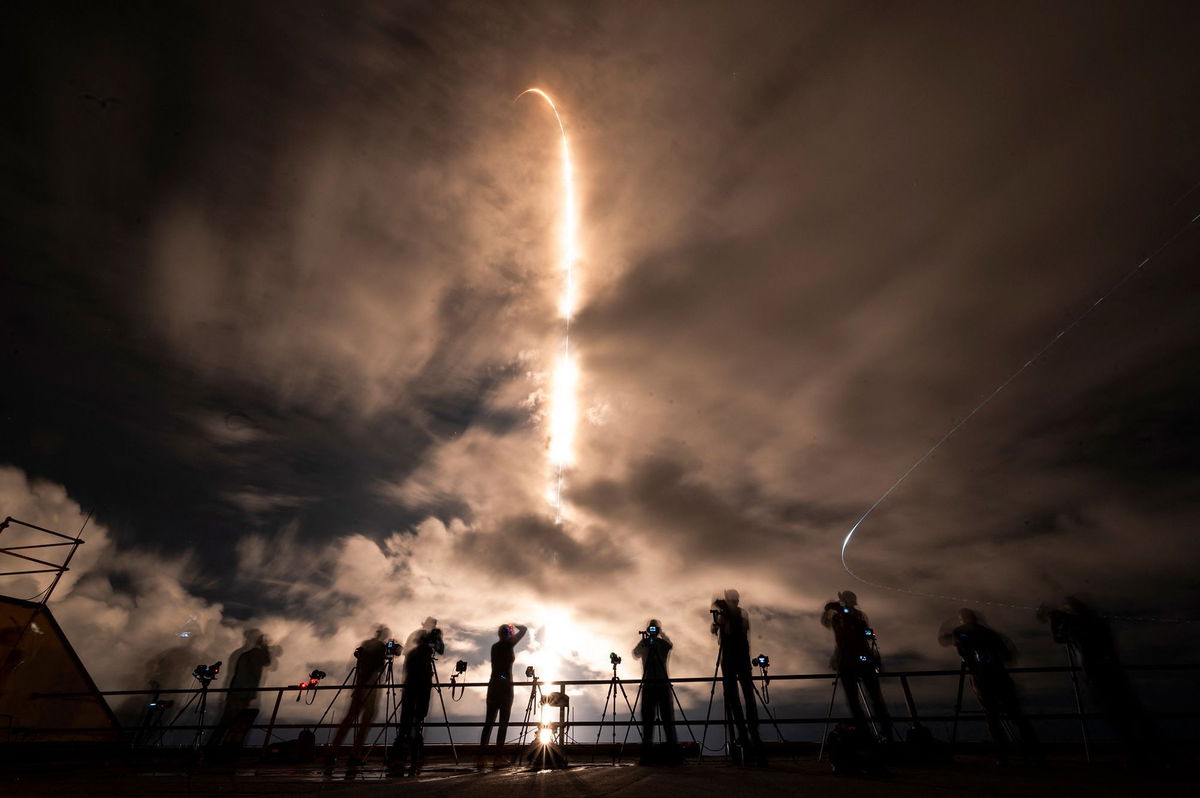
(414, 708)
(864, 703)
(648, 740)
(446, 718)
(762, 696)
(333, 700)
(151, 721)
(535, 695)
(614, 684)
(391, 705)
(201, 696)
(708, 712)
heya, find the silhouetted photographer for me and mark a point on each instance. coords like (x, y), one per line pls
(422, 647)
(369, 658)
(654, 650)
(238, 715)
(856, 660)
(986, 654)
(731, 624)
(1090, 644)
(500, 691)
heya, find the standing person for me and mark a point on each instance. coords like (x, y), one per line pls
(857, 661)
(249, 663)
(986, 654)
(369, 658)
(654, 649)
(1089, 638)
(731, 624)
(421, 648)
(500, 691)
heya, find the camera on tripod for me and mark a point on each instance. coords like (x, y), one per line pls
(460, 667)
(530, 673)
(391, 649)
(614, 658)
(870, 633)
(761, 661)
(649, 631)
(206, 673)
(313, 679)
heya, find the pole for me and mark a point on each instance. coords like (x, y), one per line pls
(828, 715)
(1087, 748)
(271, 726)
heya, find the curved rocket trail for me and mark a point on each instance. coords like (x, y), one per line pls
(564, 410)
(921, 460)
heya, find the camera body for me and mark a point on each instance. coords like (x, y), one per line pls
(614, 658)
(649, 632)
(206, 673)
(762, 661)
(460, 666)
(530, 673)
(391, 649)
(314, 679)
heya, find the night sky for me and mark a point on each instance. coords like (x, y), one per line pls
(279, 290)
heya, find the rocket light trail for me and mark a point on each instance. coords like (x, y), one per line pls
(564, 406)
(996, 392)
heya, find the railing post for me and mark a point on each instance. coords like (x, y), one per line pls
(271, 726)
(562, 714)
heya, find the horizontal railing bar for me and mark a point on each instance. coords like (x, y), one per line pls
(592, 682)
(11, 520)
(53, 565)
(975, 718)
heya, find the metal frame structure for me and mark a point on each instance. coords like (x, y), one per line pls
(58, 569)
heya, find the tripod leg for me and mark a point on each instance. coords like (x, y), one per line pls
(867, 707)
(680, 705)
(630, 706)
(828, 715)
(708, 712)
(333, 700)
(169, 726)
(1087, 748)
(389, 696)
(445, 717)
(632, 719)
(611, 694)
(958, 700)
(770, 714)
(533, 691)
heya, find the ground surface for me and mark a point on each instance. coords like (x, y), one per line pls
(970, 776)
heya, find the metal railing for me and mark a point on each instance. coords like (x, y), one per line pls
(624, 719)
